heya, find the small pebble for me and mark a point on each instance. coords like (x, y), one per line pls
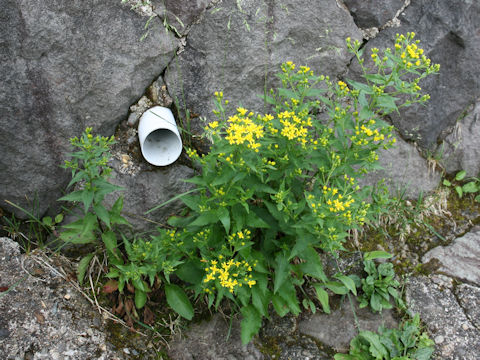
(439, 339)
(465, 327)
(67, 296)
(103, 347)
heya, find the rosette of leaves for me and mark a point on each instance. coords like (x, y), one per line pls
(408, 342)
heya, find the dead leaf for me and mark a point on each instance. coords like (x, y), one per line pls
(4, 288)
(148, 316)
(110, 286)
(130, 288)
(39, 316)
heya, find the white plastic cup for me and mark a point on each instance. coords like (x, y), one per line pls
(160, 140)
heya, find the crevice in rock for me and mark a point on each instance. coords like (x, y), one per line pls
(459, 302)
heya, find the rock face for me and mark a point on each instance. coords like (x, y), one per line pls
(404, 170)
(43, 317)
(239, 45)
(208, 341)
(453, 331)
(66, 65)
(338, 328)
(373, 13)
(461, 259)
(461, 148)
(449, 32)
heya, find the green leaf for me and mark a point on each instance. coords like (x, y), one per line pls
(312, 265)
(376, 255)
(251, 323)
(336, 287)
(190, 272)
(178, 301)
(460, 175)
(459, 191)
(102, 214)
(279, 305)
(87, 198)
(140, 298)
(206, 218)
(322, 296)
(288, 293)
(376, 348)
(81, 231)
(470, 187)
(360, 86)
(282, 269)
(387, 102)
(260, 300)
(447, 183)
(58, 218)
(110, 240)
(348, 282)
(224, 216)
(73, 196)
(477, 198)
(82, 267)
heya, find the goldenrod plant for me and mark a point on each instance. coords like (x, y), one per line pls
(274, 191)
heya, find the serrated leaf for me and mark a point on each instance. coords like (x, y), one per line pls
(322, 296)
(140, 298)
(313, 264)
(82, 267)
(282, 268)
(206, 218)
(251, 323)
(178, 301)
(102, 213)
(224, 216)
(279, 305)
(73, 196)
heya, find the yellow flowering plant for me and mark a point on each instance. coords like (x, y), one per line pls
(278, 189)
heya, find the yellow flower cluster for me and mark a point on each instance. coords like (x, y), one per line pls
(229, 274)
(343, 87)
(294, 126)
(243, 129)
(288, 66)
(364, 134)
(239, 238)
(202, 236)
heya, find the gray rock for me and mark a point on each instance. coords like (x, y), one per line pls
(208, 341)
(460, 259)
(67, 65)
(373, 13)
(404, 170)
(448, 30)
(469, 299)
(454, 335)
(461, 148)
(338, 328)
(180, 14)
(43, 317)
(146, 186)
(239, 45)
